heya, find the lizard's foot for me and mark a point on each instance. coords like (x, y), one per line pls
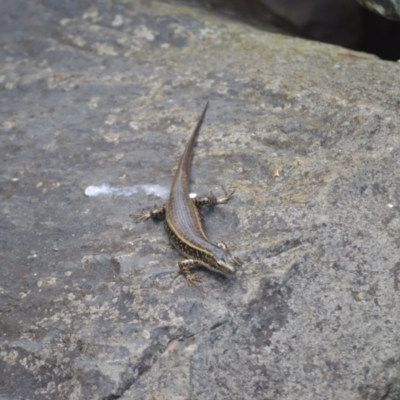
(155, 213)
(224, 199)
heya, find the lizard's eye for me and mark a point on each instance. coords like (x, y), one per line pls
(223, 246)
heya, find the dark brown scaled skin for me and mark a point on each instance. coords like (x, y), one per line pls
(184, 225)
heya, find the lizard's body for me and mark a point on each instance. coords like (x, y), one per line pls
(184, 225)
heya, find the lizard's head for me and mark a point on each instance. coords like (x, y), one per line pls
(225, 263)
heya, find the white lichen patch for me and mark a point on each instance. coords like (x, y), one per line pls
(48, 281)
(110, 120)
(172, 128)
(79, 41)
(143, 32)
(112, 137)
(65, 21)
(206, 84)
(59, 79)
(71, 296)
(9, 357)
(117, 21)
(91, 13)
(8, 124)
(133, 125)
(93, 102)
(103, 49)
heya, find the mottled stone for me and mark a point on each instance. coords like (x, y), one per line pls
(91, 303)
(387, 8)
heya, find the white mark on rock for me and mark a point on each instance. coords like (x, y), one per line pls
(105, 188)
(390, 205)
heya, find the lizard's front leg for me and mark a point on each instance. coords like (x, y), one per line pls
(155, 213)
(184, 269)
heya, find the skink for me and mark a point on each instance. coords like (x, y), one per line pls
(183, 222)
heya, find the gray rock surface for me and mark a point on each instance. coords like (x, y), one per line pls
(387, 8)
(91, 304)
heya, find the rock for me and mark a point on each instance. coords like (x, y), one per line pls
(108, 92)
(387, 8)
(331, 21)
(342, 22)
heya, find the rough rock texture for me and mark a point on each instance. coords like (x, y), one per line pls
(91, 304)
(332, 21)
(387, 8)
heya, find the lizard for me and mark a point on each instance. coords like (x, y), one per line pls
(183, 221)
